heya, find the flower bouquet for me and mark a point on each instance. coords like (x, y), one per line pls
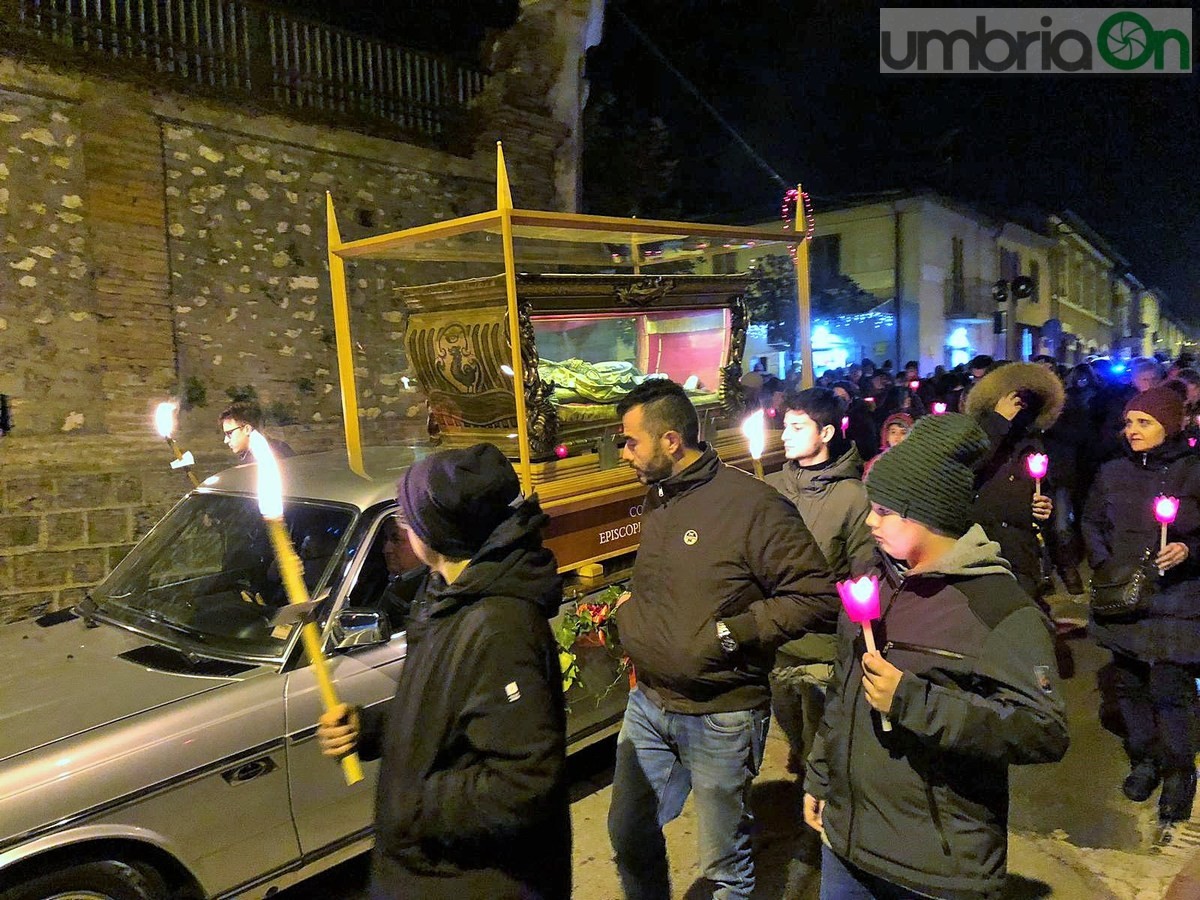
(590, 625)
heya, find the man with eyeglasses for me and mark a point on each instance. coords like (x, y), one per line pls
(238, 420)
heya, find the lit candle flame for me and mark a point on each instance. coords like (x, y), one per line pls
(939, 408)
(754, 428)
(1166, 509)
(270, 481)
(1037, 464)
(913, 385)
(164, 418)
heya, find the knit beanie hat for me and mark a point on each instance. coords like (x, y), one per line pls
(455, 499)
(1164, 404)
(930, 475)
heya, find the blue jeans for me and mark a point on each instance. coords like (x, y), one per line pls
(661, 758)
(842, 881)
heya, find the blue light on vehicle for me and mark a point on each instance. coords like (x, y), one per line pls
(1119, 368)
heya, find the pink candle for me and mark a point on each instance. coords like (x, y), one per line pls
(860, 599)
(939, 408)
(1037, 464)
(1165, 510)
(845, 425)
(913, 385)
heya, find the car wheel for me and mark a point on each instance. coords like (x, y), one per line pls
(99, 880)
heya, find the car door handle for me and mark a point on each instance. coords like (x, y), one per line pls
(248, 771)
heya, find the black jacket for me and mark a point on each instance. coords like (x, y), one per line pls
(926, 805)
(280, 449)
(1004, 498)
(717, 543)
(1119, 523)
(472, 798)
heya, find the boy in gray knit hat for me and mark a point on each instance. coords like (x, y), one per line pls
(965, 677)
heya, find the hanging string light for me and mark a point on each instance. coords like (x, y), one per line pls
(787, 212)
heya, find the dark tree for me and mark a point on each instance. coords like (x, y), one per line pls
(629, 163)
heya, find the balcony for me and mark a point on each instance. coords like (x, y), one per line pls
(973, 302)
(241, 51)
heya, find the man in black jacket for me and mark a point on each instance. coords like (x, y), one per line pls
(472, 799)
(725, 573)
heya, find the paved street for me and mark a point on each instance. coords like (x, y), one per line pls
(1073, 833)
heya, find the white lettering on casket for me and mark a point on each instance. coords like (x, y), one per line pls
(615, 534)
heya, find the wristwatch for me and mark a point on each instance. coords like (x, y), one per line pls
(728, 642)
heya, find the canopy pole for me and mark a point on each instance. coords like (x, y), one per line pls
(803, 294)
(504, 206)
(345, 346)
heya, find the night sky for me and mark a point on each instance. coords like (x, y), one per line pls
(801, 83)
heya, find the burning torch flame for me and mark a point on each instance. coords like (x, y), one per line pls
(754, 428)
(270, 481)
(1166, 509)
(164, 418)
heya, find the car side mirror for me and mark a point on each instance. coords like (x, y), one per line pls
(360, 628)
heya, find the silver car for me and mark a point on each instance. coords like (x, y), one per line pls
(159, 740)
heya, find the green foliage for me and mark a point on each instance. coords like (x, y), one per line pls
(771, 298)
(306, 386)
(194, 392)
(241, 392)
(589, 622)
(280, 412)
(629, 163)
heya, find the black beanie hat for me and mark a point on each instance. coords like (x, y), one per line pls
(454, 499)
(930, 475)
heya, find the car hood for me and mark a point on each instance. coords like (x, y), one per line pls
(67, 678)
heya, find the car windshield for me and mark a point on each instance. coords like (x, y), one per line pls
(206, 576)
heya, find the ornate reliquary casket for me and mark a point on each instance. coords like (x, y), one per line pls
(586, 341)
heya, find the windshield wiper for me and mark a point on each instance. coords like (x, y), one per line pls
(160, 619)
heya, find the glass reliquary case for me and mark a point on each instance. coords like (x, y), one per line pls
(586, 341)
(525, 328)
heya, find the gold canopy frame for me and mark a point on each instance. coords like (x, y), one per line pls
(552, 242)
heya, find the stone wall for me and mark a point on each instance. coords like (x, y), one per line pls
(156, 246)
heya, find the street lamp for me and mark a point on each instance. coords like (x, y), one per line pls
(1004, 321)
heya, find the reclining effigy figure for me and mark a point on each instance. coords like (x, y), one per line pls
(579, 381)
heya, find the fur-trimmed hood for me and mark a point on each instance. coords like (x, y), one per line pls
(1015, 377)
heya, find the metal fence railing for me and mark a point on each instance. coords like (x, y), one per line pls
(273, 56)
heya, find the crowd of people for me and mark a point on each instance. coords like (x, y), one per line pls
(903, 742)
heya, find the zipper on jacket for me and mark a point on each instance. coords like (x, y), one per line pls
(920, 648)
(936, 815)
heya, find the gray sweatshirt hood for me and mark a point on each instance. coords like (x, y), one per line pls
(974, 554)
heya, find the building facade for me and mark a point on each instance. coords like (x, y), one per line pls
(945, 277)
